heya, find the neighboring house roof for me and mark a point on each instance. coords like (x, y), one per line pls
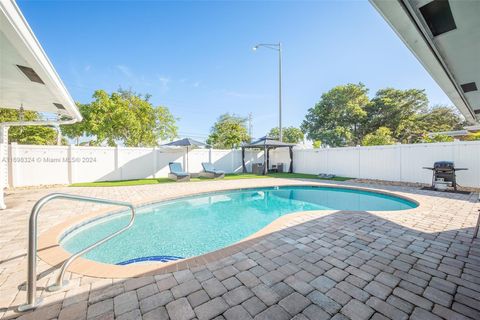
(444, 36)
(27, 77)
(457, 133)
(474, 128)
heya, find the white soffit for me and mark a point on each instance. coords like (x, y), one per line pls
(20, 47)
(453, 57)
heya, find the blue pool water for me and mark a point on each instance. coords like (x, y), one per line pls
(196, 225)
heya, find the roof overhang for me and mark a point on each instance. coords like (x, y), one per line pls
(450, 55)
(27, 77)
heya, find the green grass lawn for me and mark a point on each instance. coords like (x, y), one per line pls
(304, 176)
(231, 176)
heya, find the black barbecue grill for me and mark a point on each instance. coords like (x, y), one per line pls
(444, 171)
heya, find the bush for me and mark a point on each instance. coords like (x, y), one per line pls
(473, 136)
(437, 138)
(382, 136)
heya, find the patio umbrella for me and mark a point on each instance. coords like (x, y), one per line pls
(186, 142)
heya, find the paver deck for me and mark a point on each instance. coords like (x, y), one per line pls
(420, 264)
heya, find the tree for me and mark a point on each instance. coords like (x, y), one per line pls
(382, 136)
(76, 130)
(41, 135)
(435, 119)
(345, 116)
(123, 117)
(473, 136)
(317, 144)
(166, 124)
(437, 138)
(337, 118)
(228, 132)
(290, 134)
(146, 124)
(399, 111)
(442, 118)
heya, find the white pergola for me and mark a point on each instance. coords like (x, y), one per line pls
(445, 37)
(28, 80)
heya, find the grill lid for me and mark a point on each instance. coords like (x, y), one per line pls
(444, 165)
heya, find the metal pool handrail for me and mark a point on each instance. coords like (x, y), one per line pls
(32, 301)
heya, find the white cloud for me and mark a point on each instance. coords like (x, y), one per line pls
(164, 81)
(124, 70)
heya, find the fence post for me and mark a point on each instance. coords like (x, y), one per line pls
(70, 164)
(328, 162)
(13, 168)
(4, 172)
(400, 161)
(117, 169)
(359, 175)
(154, 174)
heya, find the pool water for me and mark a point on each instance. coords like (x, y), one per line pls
(195, 225)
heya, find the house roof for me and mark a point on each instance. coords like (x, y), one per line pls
(27, 77)
(443, 35)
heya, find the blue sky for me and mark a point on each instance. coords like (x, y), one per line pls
(196, 57)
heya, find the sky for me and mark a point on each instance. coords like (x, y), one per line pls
(196, 58)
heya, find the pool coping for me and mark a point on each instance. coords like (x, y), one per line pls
(51, 252)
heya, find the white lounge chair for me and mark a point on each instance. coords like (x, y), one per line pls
(177, 173)
(209, 171)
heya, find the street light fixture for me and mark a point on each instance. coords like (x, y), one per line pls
(276, 47)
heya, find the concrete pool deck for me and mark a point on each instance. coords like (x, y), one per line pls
(416, 263)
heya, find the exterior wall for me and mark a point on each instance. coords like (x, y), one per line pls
(44, 165)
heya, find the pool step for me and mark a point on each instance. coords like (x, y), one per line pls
(149, 258)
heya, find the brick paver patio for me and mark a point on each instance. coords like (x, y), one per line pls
(342, 265)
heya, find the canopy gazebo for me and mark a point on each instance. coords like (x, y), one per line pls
(267, 144)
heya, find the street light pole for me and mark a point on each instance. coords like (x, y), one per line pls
(280, 91)
(277, 47)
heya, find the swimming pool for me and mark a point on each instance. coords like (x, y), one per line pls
(194, 225)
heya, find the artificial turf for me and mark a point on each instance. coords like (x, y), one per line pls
(231, 176)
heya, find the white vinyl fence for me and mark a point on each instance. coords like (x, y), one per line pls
(45, 165)
(401, 162)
